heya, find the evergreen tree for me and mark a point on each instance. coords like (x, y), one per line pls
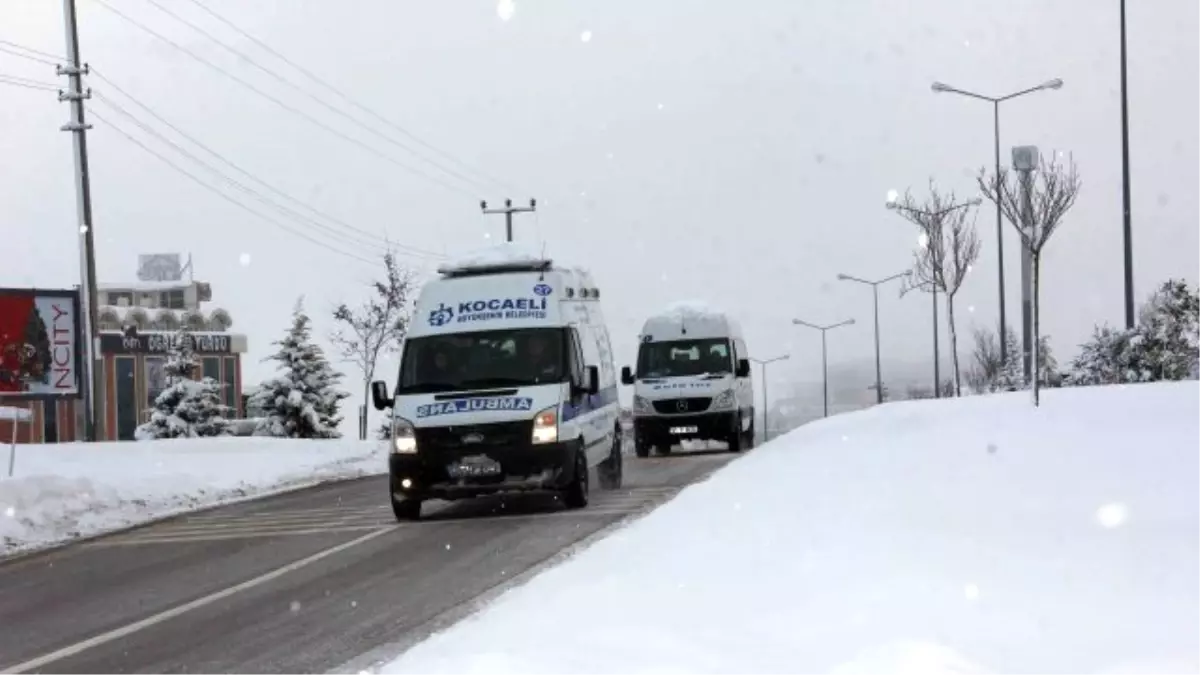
(302, 400)
(186, 408)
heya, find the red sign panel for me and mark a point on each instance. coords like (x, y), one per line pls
(40, 333)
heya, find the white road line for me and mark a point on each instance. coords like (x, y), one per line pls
(269, 524)
(136, 626)
(169, 538)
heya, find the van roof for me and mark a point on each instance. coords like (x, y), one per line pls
(506, 257)
(690, 319)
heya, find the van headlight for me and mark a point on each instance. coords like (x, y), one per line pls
(545, 426)
(725, 399)
(642, 404)
(404, 437)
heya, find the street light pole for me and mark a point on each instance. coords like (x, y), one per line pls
(1128, 217)
(875, 292)
(824, 359)
(939, 88)
(891, 204)
(766, 401)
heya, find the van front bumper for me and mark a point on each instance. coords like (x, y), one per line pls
(428, 474)
(662, 429)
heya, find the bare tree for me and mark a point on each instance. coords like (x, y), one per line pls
(947, 248)
(1035, 206)
(983, 376)
(378, 325)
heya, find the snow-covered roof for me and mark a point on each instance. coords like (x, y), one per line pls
(506, 256)
(690, 319)
(11, 414)
(163, 316)
(145, 286)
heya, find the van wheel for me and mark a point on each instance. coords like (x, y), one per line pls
(641, 447)
(611, 471)
(575, 496)
(663, 449)
(737, 437)
(750, 437)
(406, 509)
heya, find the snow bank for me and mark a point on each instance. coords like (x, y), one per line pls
(61, 491)
(965, 535)
(505, 253)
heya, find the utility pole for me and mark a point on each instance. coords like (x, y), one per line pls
(78, 126)
(1128, 215)
(1025, 161)
(508, 212)
(767, 401)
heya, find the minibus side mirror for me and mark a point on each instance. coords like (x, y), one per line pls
(627, 378)
(380, 396)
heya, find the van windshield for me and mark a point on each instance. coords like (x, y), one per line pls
(684, 357)
(499, 358)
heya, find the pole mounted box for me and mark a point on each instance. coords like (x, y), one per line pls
(1025, 157)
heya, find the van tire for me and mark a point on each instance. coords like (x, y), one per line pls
(750, 437)
(641, 447)
(611, 471)
(575, 495)
(406, 510)
(737, 437)
(663, 449)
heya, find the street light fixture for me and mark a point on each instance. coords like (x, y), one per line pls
(942, 88)
(923, 241)
(763, 363)
(875, 293)
(824, 360)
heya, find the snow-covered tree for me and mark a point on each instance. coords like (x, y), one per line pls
(302, 400)
(1165, 345)
(1035, 203)
(989, 373)
(186, 408)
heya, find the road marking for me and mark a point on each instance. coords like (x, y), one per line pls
(166, 615)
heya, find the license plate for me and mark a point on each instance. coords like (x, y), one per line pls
(474, 467)
(684, 430)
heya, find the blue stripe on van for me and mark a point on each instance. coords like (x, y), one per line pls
(601, 399)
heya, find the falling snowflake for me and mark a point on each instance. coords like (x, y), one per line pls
(585, 36)
(447, 547)
(295, 606)
(971, 308)
(892, 196)
(661, 106)
(244, 259)
(10, 512)
(1112, 515)
(923, 240)
(971, 592)
(353, 604)
(505, 9)
(83, 229)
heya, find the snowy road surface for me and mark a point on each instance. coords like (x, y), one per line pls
(307, 581)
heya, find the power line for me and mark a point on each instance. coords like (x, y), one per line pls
(18, 81)
(362, 241)
(280, 103)
(374, 238)
(222, 195)
(31, 57)
(320, 101)
(310, 75)
(31, 50)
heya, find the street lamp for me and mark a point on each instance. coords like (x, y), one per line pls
(923, 241)
(766, 402)
(824, 360)
(875, 292)
(940, 88)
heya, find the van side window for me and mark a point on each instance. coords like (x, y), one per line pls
(575, 355)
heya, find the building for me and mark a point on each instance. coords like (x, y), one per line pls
(138, 322)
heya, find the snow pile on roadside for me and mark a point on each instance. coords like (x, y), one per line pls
(62, 491)
(965, 535)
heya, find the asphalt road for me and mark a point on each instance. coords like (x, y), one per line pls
(309, 581)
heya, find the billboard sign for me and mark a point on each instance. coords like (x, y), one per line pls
(40, 333)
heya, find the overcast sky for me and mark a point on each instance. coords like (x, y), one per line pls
(735, 152)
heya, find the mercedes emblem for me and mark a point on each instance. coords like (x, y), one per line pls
(681, 405)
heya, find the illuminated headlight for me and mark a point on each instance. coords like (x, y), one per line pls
(545, 426)
(725, 399)
(642, 404)
(404, 439)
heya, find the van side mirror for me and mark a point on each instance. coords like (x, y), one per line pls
(743, 369)
(627, 378)
(380, 396)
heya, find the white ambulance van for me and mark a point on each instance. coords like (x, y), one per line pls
(506, 384)
(692, 381)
